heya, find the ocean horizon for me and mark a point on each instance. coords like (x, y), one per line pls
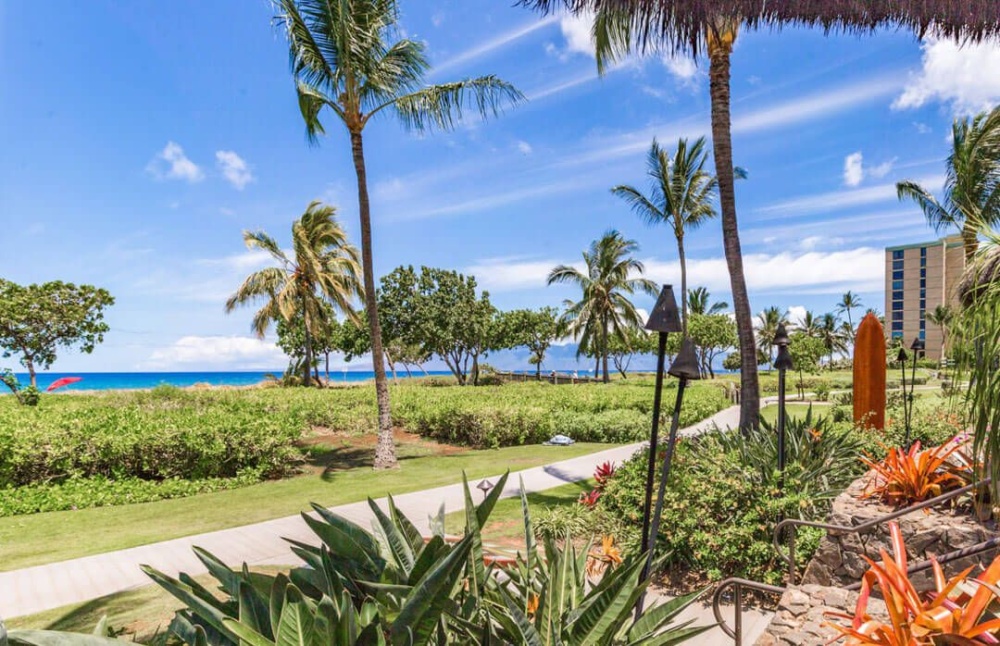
(147, 380)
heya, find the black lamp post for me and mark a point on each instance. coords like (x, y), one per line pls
(663, 319)
(918, 348)
(901, 358)
(783, 363)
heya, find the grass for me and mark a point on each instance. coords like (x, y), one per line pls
(770, 413)
(505, 528)
(46, 538)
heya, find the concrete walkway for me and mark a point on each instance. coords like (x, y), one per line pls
(44, 587)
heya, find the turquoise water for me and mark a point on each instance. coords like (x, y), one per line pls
(131, 380)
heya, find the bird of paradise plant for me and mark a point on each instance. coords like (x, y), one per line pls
(607, 556)
(949, 614)
(908, 476)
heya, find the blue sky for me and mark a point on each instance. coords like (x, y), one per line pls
(140, 139)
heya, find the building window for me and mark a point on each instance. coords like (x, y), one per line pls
(897, 275)
(923, 252)
(897, 265)
(897, 316)
(923, 283)
(923, 305)
(923, 262)
(897, 334)
(897, 254)
(923, 324)
(898, 296)
(923, 293)
(897, 325)
(897, 305)
(923, 335)
(897, 284)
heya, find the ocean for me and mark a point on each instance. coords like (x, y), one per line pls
(134, 380)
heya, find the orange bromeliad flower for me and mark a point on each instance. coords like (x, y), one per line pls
(608, 555)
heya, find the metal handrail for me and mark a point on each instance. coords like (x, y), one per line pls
(972, 550)
(737, 584)
(838, 530)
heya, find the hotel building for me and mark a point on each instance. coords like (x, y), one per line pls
(918, 278)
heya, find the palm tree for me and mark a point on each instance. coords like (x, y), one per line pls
(694, 26)
(348, 56)
(942, 316)
(972, 184)
(809, 324)
(848, 302)
(324, 264)
(767, 327)
(832, 334)
(698, 299)
(681, 195)
(612, 275)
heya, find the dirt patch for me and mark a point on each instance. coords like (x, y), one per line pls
(331, 450)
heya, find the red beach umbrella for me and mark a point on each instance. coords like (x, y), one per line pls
(65, 381)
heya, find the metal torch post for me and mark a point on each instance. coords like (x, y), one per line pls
(653, 440)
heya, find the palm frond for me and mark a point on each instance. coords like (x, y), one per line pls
(441, 106)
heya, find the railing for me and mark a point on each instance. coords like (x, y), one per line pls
(838, 530)
(737, 584)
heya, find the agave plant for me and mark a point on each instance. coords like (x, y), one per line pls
(955, 612)
(908, 476)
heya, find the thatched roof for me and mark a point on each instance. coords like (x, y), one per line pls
(682, 24)
(980, 274)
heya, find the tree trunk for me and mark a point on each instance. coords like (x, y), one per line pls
(722, 145)
(850, 324)
(327, 353)
(385, 450)
(538, 370)
(32, 377)
(969, 240)
(604, 347)
(684, 282)
(307, 369)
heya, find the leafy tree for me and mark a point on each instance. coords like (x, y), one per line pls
(348, 56)
(25, 396)
(698, 299)
(534, 329)
(732, 361)
(622, 347)
(849, 302)
(806, 353)
(604, 309)
(324, 265)
(767, 327)
(833, 334)
(712, 335)
(972, 184)
(323, 341)
(35, 320)
(681, 195)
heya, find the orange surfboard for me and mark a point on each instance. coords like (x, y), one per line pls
(869, 374)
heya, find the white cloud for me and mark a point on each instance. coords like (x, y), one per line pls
(249, 260)
(796, 314)
(883, 169)
(578, 30)
(172, 163)
(921, 127)
(206, 352)
(682, 67)
(499, 42)
(524, 147)
(962, 76)
(820, 272)
(233, 168)
(809, 243)
(853, 169)
(836, 200)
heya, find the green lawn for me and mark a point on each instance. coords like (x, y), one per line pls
(770, 413)
(46, 538)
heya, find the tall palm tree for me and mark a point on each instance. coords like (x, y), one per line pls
(681, 195)
(698, 299)
(612, 275)
(767, 328)
(349, 56)
(323, 264)
(942, 316)
(694, 26)
(849, 302)
(972, 184)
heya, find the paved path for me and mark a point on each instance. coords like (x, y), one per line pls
(49, 586)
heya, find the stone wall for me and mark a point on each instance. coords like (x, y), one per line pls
(803, 617)
(839, 562)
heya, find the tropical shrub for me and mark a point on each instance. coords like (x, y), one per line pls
(955, 612)
(907, 476)
(821, 391)
(393, 587)
(722, 500)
